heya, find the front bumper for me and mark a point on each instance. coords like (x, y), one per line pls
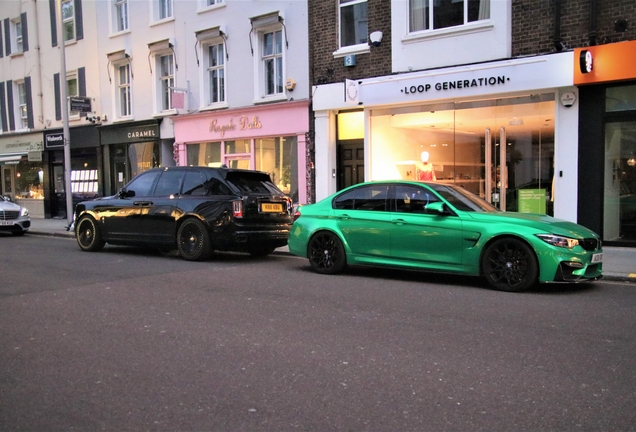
(18, 225)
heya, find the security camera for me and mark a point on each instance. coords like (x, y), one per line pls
(376, 38)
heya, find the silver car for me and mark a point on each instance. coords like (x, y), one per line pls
(13, 218)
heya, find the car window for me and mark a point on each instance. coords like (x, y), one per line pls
(142, 184)
(245, 181)
(413, 199)
(463, 200)
(372, 197)
(169, 183)
(194, 183)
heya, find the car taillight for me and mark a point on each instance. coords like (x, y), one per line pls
(237, 208)
(296, 214)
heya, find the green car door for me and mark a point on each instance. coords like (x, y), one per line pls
(363, 219)
(427, 237)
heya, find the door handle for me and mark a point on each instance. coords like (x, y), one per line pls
(398, 221)
(344, 216)
(142, 203)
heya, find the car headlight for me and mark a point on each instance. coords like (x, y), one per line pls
(24, 212)
(554, 240)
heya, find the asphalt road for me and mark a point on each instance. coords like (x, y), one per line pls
(128, 340)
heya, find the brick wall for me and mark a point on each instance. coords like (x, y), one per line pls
(533, 24)
(323, 41)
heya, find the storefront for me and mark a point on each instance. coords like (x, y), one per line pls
(270, 138)
(502, 130)
(86, 163)
(606, 76)
(130, 149)
(21, 172)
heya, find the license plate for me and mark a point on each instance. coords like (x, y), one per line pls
(597, 258)
(5, 222)
(271, 208)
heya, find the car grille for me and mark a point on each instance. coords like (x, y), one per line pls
(9, 215)
(590, 244)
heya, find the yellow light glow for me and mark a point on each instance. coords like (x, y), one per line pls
(351, 125)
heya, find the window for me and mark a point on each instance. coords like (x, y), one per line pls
(412, 199)
(72, 89)
(123, 91)
(166, 81)
(142, 185)
(206, 154)
(436, 14)
(121, 15)
(216, 73)
(22, 106)
(353, 22)
(372, 197)
(164, 9)
(213, 2)
(279, 158)
(169, 183)
(272, 58)
(68, 19)
(17, 32)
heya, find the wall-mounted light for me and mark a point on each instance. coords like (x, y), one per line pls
(376, 38)
(585, 61)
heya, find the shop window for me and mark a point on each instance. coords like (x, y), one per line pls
(142, 157)
(84, 183)
(351, 125)
(353, 23)
(205, 154)
(121, 15)
(237, 147)
(621, 98)
(279, 158)
(436, 14)
(29, 181)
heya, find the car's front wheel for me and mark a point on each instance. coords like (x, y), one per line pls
(193, 240)
(326, 253)
(509, 264)
(89, 237)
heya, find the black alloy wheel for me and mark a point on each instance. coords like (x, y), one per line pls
(509, 264)
(326, 253)
(88, 235)
(193, 240)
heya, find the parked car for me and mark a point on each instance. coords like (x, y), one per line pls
(442, 228)
(195, 210)
(13, 218)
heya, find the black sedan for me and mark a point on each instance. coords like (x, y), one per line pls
(195, 210)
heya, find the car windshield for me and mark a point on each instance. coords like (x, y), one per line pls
(252, 182)
(461, 199)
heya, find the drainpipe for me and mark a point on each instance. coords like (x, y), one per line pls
(39, 65)
(558, 43)
(593, 22)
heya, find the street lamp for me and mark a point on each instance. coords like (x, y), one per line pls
(64, 107)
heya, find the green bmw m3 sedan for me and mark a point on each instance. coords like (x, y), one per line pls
(442, 228)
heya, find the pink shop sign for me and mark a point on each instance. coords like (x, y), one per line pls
(243, 123)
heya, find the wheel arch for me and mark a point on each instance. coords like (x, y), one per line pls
(491, 240)
(345, 245)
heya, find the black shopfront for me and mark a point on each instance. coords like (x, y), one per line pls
(86, 173)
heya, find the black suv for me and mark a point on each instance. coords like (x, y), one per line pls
(195, 210)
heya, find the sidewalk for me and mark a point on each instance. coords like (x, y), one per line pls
(619, 263)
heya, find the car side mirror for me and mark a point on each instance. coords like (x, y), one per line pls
(435, 207)
(123, 193)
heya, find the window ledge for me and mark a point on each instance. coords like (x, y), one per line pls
(267, 99)
(353, 49)
(16, 54)
(123, 119)
(165, 113)
(474, 27)
(211, 8)
(161, 21)
(119, 33)
(216, 106)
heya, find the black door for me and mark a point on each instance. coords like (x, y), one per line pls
(58, 207)
(350, 163)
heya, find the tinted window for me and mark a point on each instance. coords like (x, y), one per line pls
(194, 183)
(252, 182)
(412, 199)
(142, 184)
(371, 197)
(169, 183)
(463, 200)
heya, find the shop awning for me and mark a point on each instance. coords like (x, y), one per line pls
(11, 159)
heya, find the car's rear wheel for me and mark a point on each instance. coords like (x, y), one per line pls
(193, 240)
(509, 264)
(326, 253)
(89, 237)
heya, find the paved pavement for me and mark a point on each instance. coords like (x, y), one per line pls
(619, 263)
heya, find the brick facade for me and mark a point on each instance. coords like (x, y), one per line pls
(323, 34)
(533, 24)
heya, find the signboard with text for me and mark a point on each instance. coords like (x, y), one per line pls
(532, 201)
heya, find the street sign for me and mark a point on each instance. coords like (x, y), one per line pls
(80, 103)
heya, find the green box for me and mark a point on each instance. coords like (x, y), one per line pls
(532, 201)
